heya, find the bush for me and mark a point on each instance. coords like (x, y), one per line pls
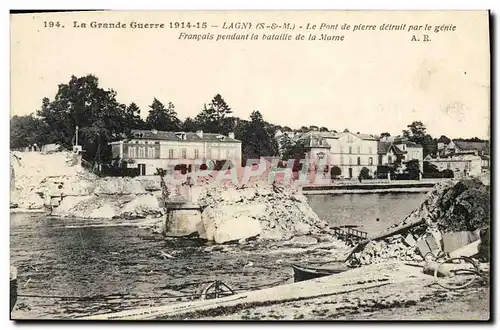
(383, 172)
(447, 174)
(335, 171)
(365, 173)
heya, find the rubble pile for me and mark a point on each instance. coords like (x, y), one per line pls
(263, 210)
(394, 248)
(454, 215)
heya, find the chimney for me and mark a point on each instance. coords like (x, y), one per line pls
(231, 135)
(199, 133)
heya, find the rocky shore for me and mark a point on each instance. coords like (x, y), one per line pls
(228, 212)
(454, 206)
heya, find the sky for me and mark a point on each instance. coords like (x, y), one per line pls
(372, 82)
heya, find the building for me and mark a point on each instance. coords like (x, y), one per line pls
(461, 147)
(462, 165)
(399, 151)
(148, 150)
(349, 151)
(443, 142)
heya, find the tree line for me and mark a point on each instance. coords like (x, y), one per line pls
(101, 118)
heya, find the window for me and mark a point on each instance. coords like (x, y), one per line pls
(196, 153)
(131, 152)
(142, 152)
(448, 165)
(341, 149)
(170, 153)
(184, 152)
(151, 152)
(228, 154)
(341, 160)
(350, 150)
(350, 161)
(369, 150)
(359, 149)
(466, 166)
(389, 159)
(370, 161)
(359, 160)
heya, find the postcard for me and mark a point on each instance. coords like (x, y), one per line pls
(250, 165)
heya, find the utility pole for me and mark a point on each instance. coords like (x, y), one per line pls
(76, 135)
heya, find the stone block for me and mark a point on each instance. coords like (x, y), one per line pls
(433, 244)
(422, 247)
(410, 240)
(455, 240)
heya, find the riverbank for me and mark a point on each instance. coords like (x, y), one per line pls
(104, 266)
(373, 187)
(339, 191)
(408, 301)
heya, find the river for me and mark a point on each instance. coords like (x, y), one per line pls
(370, 212)
(73, 267)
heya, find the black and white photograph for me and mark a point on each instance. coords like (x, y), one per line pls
(250, 165)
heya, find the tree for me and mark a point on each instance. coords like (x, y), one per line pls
(417, 131)
(189, 125)
(285, 143)
(212, 118)
(257, 138)
(323, 129)
(133, 115)
(161, 118)
(447, 173)
(413, 169)
(417, 134)
(313, 128)
(29, 130)
(303, 129)
(335, 171)
(100, 117)
(385, 134)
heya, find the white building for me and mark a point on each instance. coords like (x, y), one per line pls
(400, 151)
(349, 151)
(148, 150)
(462, 165)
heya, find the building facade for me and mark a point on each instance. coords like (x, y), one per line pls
(148, 150)
(462, 165)
(400, 151)
(460, 147)
(349, 151)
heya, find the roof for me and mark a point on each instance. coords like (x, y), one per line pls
(452, 157)
(412, 144)
(444, 139)
(176, 136)
(317, 139)
(384, 147)
(403, 140)
(398, 151)
(365, 136)
(480, 146)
